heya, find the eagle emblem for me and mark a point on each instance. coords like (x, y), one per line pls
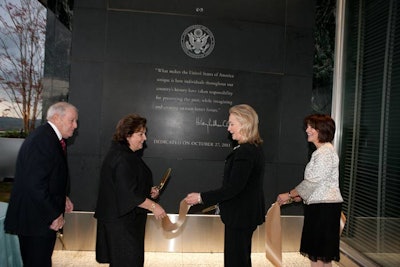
(197, 41)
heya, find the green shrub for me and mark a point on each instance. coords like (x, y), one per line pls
(5, 191)
(13, 134)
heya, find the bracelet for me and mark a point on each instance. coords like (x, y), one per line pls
(153, 206)
(290, 200)
(199, 199)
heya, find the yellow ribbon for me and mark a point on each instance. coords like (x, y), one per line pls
(169, 226)
(273, 229)
(273, 235)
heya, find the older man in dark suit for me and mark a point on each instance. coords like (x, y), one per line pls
(39, 195)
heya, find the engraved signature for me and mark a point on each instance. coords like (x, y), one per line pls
(210, 123)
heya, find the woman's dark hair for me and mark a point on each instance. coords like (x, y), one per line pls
(324, 124)
(128, 125)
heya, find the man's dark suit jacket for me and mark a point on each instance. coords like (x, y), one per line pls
(241, 197)
(40, 185)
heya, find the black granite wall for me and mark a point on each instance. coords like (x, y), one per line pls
(130, 57)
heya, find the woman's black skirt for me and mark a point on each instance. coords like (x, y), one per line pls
(320, 237)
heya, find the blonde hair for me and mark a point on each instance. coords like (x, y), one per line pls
(248, 119)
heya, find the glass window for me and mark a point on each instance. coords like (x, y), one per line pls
(370, 152)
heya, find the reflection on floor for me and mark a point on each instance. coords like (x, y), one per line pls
(64, 258)
(385, 259)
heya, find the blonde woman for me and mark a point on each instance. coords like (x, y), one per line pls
(241, 196)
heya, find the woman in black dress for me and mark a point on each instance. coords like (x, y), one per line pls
(125, 197)
(241, 196)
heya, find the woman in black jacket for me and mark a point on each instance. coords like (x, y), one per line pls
(241, 196)
(125, 197)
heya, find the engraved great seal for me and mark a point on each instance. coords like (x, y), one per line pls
(197, 41)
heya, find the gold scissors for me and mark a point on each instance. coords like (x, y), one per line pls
(164, 179)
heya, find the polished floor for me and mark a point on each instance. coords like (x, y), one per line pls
(63, 258)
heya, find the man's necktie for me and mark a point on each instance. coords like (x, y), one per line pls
(63, 145)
